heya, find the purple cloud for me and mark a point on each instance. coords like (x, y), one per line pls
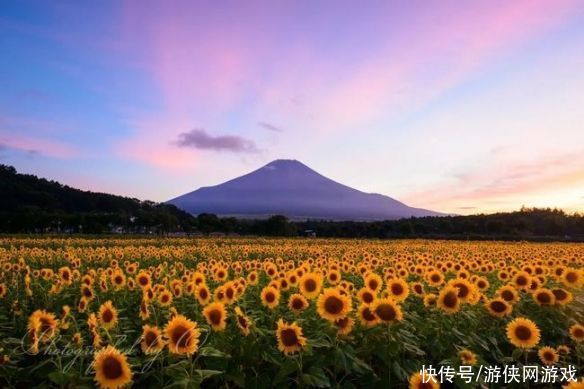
(269, 127)
(198, 138)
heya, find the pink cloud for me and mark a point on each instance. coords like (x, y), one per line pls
(208, 64)
(504, 182)
(35, 145)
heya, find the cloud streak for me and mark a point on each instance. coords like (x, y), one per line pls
(269, 127)
(199, 139)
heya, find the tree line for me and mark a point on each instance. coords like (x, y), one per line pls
(29, 204)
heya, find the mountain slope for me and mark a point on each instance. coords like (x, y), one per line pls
(291, 188)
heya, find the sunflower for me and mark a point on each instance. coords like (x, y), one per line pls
(448, 300)
(466, 289)
(548, 356)
(333, 277)
(344, 325)
(563, 349)
(297, 303)
(418, 289)
(523, 333)
(290, 338)
(310, 285)
(42, 326)
(572, 278)
(509, 294)
(498, 307)
(366, 316)
(430, 300)
(398, 289)
(577, 333)
(165, 298)
(562, 296)
(202, 294)
(387, 310)
(543, 297)
(332, 305)
(373, 281)
(435, 278)
(3, 290)
(152, 342)
(111, 368)
(522, 280)
(108, 315)
(418, 381)
(243, 322)
(366, 295)
(183, 335)
(144, 311)
(215, 315)
(270, 297)
(467, 357)
(575, 384)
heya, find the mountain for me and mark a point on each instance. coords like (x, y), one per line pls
(290, 188)
(32, 204)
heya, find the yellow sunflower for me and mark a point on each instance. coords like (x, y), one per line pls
(297, 303)
(290, 338)
(577, 333)
(467, 357)
(152, 341)
(448, 300)
(523, 333)
(366, 316)
(344, 325)
(243, 322)
(548, 355)
(108, 315)
(270, 297)
(417, 381)
(544, 297)
(183, 335)
(387, 310)
(332, 305)
(498, 307)
(112, 370)
(398, 289)
(215, 315)
(310, 285)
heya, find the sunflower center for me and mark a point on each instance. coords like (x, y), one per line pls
(579, 333)
(435, 278)
(368, 315)
(289, 337)
(521, 281)
(523, 333)
(544, 298)
(560, 294)
(297, 304)
(386, 312)
(181, 336)
(548, 356)
(151, 339)
(507, 295)
(498, 306)
(397, 289)
(112, 368)
(571, 277)
(215, 317)
(270, 297)
(242, 321)
(333, 305)
(107, 316)
(310, 285)
(450, 299)
(373, 284)
(367, 298)
(462, 290)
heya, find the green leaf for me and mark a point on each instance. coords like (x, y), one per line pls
(204, 374)
(316, 377)
(209, 351)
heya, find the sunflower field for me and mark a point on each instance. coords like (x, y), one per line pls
(259, 313)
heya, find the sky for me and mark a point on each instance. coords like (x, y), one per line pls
(456, 106)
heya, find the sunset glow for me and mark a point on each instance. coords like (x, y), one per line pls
(451, 106)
